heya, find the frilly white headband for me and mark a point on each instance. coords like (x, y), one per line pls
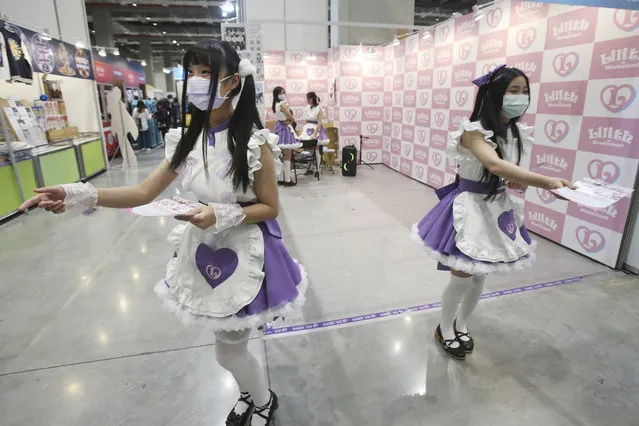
(246, 68)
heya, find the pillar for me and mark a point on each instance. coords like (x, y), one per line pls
(146, 54)
(102, 24)
(168, 78)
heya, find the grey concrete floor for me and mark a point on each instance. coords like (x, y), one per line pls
(84, 341)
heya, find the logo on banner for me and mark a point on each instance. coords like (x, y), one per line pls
(525, 8)
(616, 98)
(318, 72)
(424, 80)
(409, 116)
(296, 57)
(541, 221)
(408, 133)
(350, 128)
(43, 53)
(435, 178)
(351, 99)
(627, 20)
(397, 115)
(350, 113)
(420, 172)
(423, 118)
(610, 136)
(528, 67)
(437, 158)
(526, 37)
(421, 154)
(406, 167)
(492, 46)
(439, 118)
(350, 83)
(409, 99)
(373, 68)
(373, 84)
(464, 50)
(411, 43)
(297, 86)
(570, 29)
(371, 114)
(443, 57)
(421, 136)
(607, 171)
(444, 33)
(486, 68)
(556, 130)
(561, 98)
(463, 75)
(274, 72)
(493, 17)
(442, 76)
(423, 98)
(552, 162)
(591, 241)
(398, 99)
(372, 128)
(545, 196)
(425, 59)
(441, 99)
(350, 52)
(407, 150)
(387, 115)
(411, 81)
(395, 162)
(438, 139)
(565, 63)
(461, 98)
(373, 99)
(371, 156)
(396, 131)
(386, 158)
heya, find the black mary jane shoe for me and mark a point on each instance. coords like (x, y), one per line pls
(457, 352)
(281, 183)
(235, 419)
(291, 183)
(268, 411)
(469, 344)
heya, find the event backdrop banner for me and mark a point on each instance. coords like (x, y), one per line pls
(619, 4)
(54, 56)
(583, 65)
(111, 68)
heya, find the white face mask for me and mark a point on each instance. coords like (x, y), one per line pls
(197, 90)
(514, 105)
(281, 97)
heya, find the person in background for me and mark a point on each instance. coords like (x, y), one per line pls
(163, 115)
(284, 130)
(477, 228)
(313, 129)
(176, 115)
(141, 115)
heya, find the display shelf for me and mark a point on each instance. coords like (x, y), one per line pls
(10, 198)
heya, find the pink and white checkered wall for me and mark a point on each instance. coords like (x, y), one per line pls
(583, 64)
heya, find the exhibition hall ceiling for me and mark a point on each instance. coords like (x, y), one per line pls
(173, 25)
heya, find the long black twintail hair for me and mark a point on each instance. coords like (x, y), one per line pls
(312, 96)
(219, 55)
(487, 111)
(276, 97)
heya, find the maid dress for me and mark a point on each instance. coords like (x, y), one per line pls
(286, 133)
(467, 232)
(238, 278)
(311, 115)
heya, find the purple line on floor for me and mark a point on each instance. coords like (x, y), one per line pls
(89, 211)
(268, 331)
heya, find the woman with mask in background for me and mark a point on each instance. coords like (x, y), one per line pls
(477, 228)
(230, 271)
(284, 130)
(313, 129)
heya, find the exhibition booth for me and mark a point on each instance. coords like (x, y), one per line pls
(402, 99)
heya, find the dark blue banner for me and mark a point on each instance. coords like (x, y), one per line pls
(617, 4)
(54, 56)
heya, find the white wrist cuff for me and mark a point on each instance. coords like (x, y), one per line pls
(79, 197)
(227, 216)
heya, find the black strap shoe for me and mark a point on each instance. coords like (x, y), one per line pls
(235, 419)
(268, 411)
(456, 352)
(464, 339)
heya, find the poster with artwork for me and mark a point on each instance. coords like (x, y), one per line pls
(255, 49)
(235, 34)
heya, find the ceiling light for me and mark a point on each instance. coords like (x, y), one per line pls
(102, 52)
(478, 13)
(456, 15)
(116, 52)
(164, 32)
(92, 31)
(311, 57)
(427, 35)
(134, 4)
(225, 14)
(228, 7)
(155, 24)
(46, 35)
(396, 42)
(174, 41)
(166, 70)
(79, 45)
(143, 63)
(148, 18)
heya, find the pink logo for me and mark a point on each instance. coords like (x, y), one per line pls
(296, 57)
(396, 131)
(439, 118)
(493, 17)
(406, 167)
(387, 115)
(556, 130)
(409, 115)
(350, 113)
(441, 77)
(371, 156)
(604, 170)
(437, 158)
(545, 196)
(386, 158)
(464, 50)
(461, 98)
(318, 72)
(425, 59)
(626, 20)
(398, 98)
(410, 44)
(435, 178)
(274, 72)
(407, 150)
(350, 83)
(526, 37)
(373, 68)
(590, 240)
(565, 63)
(421, 136)
(438, 138)
(395, 160)
(372, 128)
(420, 172)
(297, 113)
(617, 98)
(565, 98)
(350, 52)
(443, 33)
(297, 86)
(486, 68)
(423, 98)
(372, 114)
(373, 99)
(411, 81)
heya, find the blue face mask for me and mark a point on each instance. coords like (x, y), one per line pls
(514, 105)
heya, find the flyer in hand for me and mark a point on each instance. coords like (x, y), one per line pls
(174, 206)
(593, 193)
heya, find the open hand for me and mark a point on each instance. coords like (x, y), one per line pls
(202, 217)
(49, 198)
(556, 183)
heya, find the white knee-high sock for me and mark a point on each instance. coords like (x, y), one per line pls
(249, 374)
(451, 298)
(469, 302)
(318, 157)
(287, 170)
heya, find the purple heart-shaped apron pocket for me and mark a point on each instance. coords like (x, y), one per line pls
(216, 266)
(507, 225)
(310, 131)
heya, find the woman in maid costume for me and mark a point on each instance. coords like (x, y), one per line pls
(230, 271)
(313, 129)
(477, 229)
(288, 140)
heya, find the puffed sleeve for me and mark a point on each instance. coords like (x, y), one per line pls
(455, 150)
(259, 138)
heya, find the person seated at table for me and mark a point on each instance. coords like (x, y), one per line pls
(313, 129)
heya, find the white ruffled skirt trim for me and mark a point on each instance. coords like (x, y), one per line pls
(476, 267)
(286, 313)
